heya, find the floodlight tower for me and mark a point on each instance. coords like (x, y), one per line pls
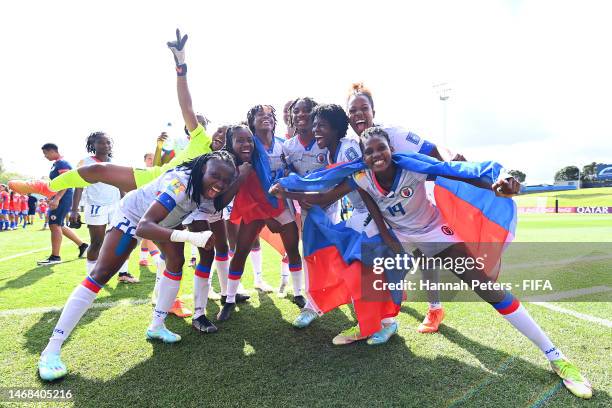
(443, 91)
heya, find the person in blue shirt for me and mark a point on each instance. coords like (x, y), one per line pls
(59, 207)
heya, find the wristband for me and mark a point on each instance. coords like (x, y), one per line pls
(181, 70)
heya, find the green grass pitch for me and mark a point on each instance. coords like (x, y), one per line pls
(258, 359)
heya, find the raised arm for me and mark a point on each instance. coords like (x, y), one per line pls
(199, 142)
(157, 156)
(178, 50)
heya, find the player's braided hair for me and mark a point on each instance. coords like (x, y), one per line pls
(375, 131)
(91, 140)
(229, 140)
(253, 111)
(196, 167)
(335, 115)
(359, 89)
(309, 101)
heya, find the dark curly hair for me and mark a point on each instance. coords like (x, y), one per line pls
(311, 105)
(253, 111)
(91, 140)
(335, 115)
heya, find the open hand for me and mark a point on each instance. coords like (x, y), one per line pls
(161, 139)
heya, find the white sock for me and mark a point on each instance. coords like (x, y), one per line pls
(222, 271)
(233, 282)
(516, 314)
(144, 253)
(387, 321)
(79, 301)
(201, 287)
(161, 267)
(194, 251)
(285, 269)
(296, 278)
(169, 285)
(256, 262)
(156, 255)
(89, 265)
(124, 267)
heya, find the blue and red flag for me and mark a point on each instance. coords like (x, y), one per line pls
(336, 276)
(333, 252)
(476, 214)
(252, 202)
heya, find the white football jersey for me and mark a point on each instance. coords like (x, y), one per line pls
(402, 140)
(99, 194)
(304, 159)
(275, 156)
(349, 150)
(169, 189)
(406, 206)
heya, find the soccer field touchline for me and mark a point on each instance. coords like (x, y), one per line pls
(8, 258)
(567, 294)
(135, 302)
(578, 315)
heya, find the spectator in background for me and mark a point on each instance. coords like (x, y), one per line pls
(31, 208)
(59, 206)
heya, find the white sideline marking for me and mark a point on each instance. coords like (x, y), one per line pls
(575, 314)
(557, 262)
(8, 258)
(101, 305)
(567, 294)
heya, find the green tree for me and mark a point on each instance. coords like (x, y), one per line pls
(589, 171)
(517, 174)
(568, 173)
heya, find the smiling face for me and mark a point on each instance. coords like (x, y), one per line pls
(361, 114)
(217, 178)
(243, 144)
(264, 121)
(218, 138)
(324, 134)
(300, 115)
(377, 153)
(103, 145)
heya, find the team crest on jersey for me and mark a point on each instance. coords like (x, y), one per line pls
(446, 230)
(175, 186)
(406, 192)
(412, 138)
(321, 158)
(359, 175)
(351, 154)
